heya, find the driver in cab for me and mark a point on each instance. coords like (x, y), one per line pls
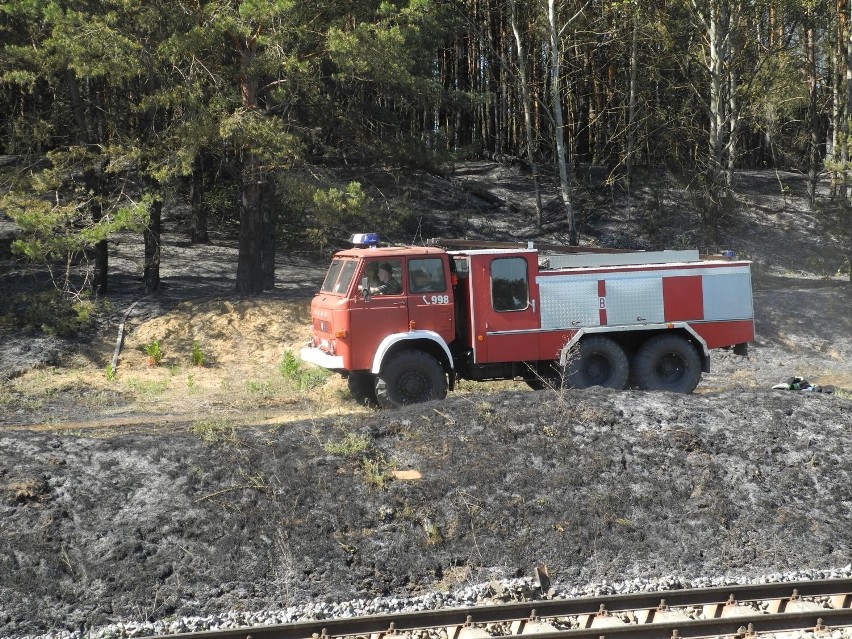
(386, 283)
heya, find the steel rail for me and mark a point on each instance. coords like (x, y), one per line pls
(553, 608)
(745, 626)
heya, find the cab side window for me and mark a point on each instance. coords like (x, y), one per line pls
(384, 277)
(509, 284)
(426, 276)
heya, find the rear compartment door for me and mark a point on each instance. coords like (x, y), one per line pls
(505, 301)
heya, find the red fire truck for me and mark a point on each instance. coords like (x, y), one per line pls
(404, 323)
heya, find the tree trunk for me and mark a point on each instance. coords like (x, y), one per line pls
(631, 109)
(269, 207)
(254, 222)
(561, 153)
(198, 211)
(249, 260)
(717, 103)
(813, 115)
(525, 99)
(101, 268)
(844, 146)
(832, 140)
(152, 235)
(77, 106)
(93, 179)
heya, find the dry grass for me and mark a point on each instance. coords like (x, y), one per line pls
(243, 343)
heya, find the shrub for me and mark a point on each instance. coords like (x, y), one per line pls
(154, 353)
(197, 354)
(298, 377)
(351, 445)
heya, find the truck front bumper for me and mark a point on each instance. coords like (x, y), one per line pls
(321, 358)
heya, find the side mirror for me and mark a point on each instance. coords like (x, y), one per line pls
(365, 288)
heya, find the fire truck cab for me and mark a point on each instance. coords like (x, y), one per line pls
(404, 323)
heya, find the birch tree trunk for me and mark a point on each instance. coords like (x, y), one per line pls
(527, 106)
(561, 153)
(631, 109)
(733, 129)
(813, 116)
(844, 148)
(717, 101)
(833, 138)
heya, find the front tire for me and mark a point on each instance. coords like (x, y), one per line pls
(598, 361)
(410, 377)
(362, 386)
(668, 363)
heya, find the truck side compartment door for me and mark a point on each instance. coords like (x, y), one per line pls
(506, 313)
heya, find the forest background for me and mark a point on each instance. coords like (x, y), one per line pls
(245, 109)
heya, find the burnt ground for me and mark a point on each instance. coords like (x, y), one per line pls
(128, 517)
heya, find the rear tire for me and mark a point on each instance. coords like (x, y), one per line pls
(362, 386)
(597, 361)
(668, 363)
(410, 377)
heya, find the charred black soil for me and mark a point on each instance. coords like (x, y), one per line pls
(184, 490)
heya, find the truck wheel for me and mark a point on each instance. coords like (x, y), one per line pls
(410, 377)
(599, 361)
(362, 386)
(669, 363)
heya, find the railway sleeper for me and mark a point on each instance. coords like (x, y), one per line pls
(467, 631)
(661, 615)
(603, 619)
(728, 610)
(531, 627)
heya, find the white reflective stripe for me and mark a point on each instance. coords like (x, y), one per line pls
(390, 340)
(321, 358)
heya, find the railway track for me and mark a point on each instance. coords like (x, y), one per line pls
(822, 609)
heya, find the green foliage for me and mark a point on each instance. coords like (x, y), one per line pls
(323, 217)
(197, 354)
(377, 473)
(154, 353)
(111, 373)
(62, 216)
(299, 378)
(151, 388)
(289, 366)
(352, 445)
(214, 430)
(120, 93)
(330, 207)
(262, 389)
(52, 313)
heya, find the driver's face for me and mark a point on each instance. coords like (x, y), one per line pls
(384, 276)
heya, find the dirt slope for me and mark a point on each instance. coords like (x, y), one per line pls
(245, 484)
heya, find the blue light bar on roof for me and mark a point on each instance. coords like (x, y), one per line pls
(365, 239)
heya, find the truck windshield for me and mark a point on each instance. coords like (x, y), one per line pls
(339, 276)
